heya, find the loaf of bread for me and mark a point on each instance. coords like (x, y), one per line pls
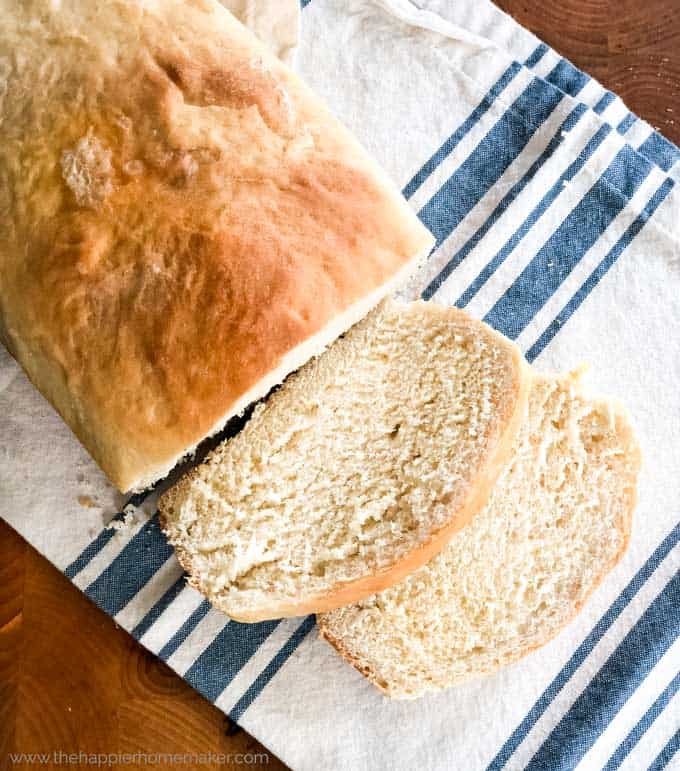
(558, 520)
(358, 470)
(182, 223)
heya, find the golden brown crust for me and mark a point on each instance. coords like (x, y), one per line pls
(179, 213)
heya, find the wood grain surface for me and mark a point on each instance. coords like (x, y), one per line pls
(70, 680)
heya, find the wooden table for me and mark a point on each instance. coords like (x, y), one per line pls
(71, 679)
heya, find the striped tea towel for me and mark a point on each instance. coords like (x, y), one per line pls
(556, 217)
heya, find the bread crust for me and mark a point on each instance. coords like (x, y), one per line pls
(184, 222)
(511, 414)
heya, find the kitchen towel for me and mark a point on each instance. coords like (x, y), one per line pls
(555, 212)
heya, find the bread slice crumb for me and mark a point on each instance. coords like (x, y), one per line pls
(558, 520)
(125, 525)
(357, 470)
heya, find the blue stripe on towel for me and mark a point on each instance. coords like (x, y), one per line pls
(271, 669)
(594, 278)
(571, 120)
(660, 703)
(159, 608)
(130, 570)
(536, 55)
(567, 77)
(584, 649)
(492, 156)
(660, 151)
(185, 630)
(667, 754)
(604, 102)
(612, 686)
(223, 659)
(626, 123)
(548, 199)
(90, 552)
(582, 227)
(447, 148)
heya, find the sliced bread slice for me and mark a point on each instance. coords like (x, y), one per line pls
(357, 471)
(558, 520)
